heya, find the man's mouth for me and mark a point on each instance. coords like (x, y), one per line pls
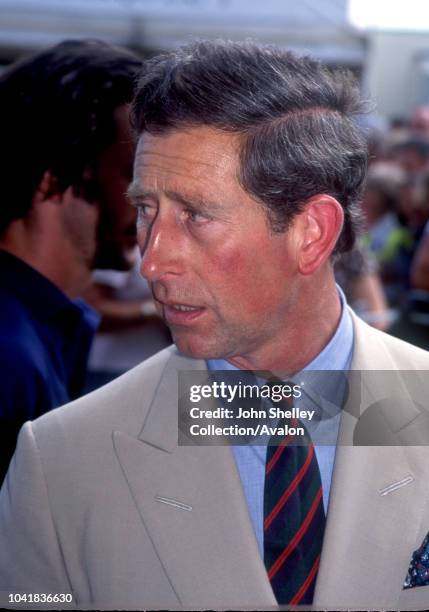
(180, 314)
(184, 308)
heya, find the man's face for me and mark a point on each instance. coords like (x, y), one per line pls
(410, 159)
(79, 222)
(223, 282)
(117, 226)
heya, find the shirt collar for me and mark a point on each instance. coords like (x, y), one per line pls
(337, 353)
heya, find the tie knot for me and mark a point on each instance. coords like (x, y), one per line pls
(282, 392)
(290, 428)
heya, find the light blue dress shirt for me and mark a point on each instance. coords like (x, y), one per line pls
(250, 460)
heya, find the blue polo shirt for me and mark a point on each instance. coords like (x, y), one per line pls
(44, 344)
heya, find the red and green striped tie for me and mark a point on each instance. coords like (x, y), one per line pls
(294, 518)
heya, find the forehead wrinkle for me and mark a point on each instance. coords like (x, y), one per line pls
(182, 158)
(177, 172)
(195, 181)
(225, 156)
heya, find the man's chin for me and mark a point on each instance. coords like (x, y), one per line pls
(197, 348)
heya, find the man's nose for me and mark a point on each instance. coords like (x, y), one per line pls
(159, 251)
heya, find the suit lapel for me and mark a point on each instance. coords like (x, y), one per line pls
(375, 507)
(191, 503)
(375, 512)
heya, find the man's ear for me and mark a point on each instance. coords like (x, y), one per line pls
(47, 189)
(320, 224)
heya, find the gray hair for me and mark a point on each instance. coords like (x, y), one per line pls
(295, 117)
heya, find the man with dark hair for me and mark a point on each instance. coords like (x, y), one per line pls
(247, 177)
(66, 163)
(412, 153)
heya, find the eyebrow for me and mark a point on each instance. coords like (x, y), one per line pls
(135, 192)
(193, 200)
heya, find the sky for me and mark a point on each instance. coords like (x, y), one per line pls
(390, 14)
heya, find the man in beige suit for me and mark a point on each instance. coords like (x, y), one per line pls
(247, 176)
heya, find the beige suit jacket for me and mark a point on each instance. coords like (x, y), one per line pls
(101, 502)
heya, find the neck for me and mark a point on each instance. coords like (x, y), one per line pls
(43, 248)
(310, 325)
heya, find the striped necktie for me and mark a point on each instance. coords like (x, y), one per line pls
(294, 517)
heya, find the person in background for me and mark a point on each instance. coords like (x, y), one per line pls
(413, 323)
(356, 272)
(67, 154)
(419, 121)
(387, 237)
(420, 265)
(412, 154)
(130, 329)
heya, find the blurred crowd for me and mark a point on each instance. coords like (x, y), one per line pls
(394, 248)
(396, 203)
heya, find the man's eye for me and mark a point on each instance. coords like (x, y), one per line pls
(197, 217)
(145, 214)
